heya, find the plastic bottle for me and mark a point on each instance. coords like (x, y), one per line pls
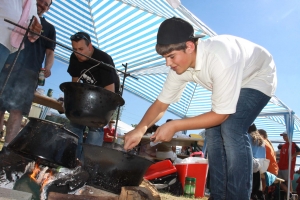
(190, 187)
(41, 80)
(50, 93)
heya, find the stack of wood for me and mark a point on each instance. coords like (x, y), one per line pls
(145, 191)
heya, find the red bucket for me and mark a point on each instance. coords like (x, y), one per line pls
(197, 169)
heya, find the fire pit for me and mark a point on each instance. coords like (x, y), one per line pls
(40, 180)
(43, 182)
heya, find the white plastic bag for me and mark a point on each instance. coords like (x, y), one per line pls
(264, 164)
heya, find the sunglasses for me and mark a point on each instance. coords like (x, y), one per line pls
(78, 36)
(44, 3)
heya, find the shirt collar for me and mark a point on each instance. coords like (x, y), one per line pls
(199, 54)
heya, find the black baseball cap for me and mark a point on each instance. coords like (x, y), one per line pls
(175, 30)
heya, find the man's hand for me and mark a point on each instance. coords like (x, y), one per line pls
(153, 114)
(35, 27)
(132, 139)
(164, 133)
(47, 73)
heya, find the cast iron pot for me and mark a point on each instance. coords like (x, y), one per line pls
(89, 105)
(46, 142)
(110, 169)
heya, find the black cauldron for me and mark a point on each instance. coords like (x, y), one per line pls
(111, 169)
(89, 105)
(46, 142)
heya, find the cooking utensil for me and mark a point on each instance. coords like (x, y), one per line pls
(55, 42)
(89, 105)
(46, 142)
(165, 185)
(110, 169)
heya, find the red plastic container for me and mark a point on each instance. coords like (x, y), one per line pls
(160, 169)
(197, 170)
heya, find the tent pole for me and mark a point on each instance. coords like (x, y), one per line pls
(289, 128)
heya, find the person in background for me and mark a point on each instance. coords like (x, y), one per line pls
(258, 152)
(283, 163)
(88, 71)
(154, 151)
(164, 151)
(270, 153)
(242, 78)
(257, 142)
(178, 134)
(146, 150)
(109, 134)
(298, 183)
(264, 134)
(12, 99)
(278, 152)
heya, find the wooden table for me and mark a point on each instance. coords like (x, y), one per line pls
(48, 101)
(175, 141)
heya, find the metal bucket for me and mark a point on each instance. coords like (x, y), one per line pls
(89, 105)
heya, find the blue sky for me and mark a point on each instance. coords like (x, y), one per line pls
(272, 24)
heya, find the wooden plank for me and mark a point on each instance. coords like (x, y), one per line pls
(174, 141)
(92, 191)
(56, 196)
(136, 192)
(154, 192)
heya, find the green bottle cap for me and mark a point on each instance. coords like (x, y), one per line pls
(190, 178)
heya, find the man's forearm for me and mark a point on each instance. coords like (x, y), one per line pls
(49, 60)
(205, 120)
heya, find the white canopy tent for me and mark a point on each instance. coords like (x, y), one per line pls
(126, 29)
(123, 128)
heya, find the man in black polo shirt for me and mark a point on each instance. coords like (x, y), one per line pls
(18, 93)
(89, 72)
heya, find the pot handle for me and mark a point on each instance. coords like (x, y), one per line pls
(63, 126)
(130, 153)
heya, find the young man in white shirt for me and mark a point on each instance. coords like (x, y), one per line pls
(242, 78)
